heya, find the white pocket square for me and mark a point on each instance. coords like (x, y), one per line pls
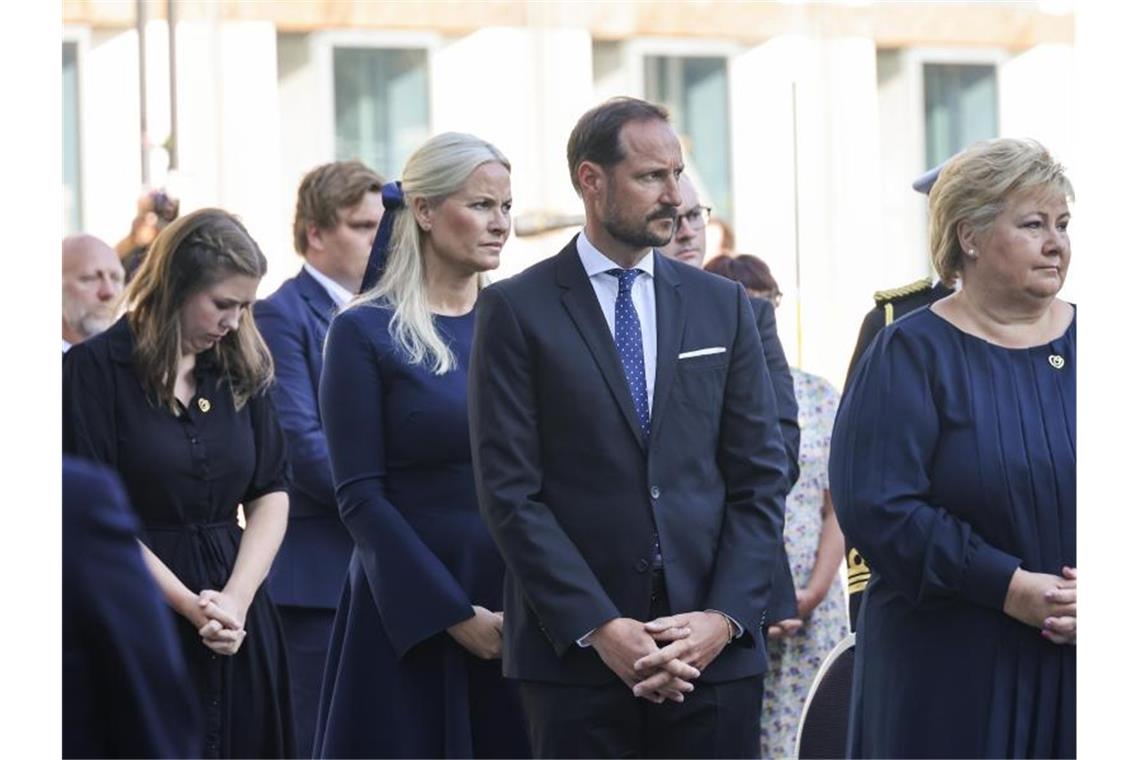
(702, 352)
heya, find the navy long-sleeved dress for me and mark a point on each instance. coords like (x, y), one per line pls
(396, 683)
(953, 463)
(185, 476)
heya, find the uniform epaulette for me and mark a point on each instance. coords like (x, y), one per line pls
(918, 286)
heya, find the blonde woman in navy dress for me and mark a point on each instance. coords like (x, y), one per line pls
(414, 659)
(953, 469)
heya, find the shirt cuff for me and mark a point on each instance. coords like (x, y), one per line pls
(737, 628)
(584, 640)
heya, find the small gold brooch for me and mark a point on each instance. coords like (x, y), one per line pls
(1057, 361)
(204, 404)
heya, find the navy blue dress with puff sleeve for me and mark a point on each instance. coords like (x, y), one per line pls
(396, 684)
(185, 475)
(953, 463)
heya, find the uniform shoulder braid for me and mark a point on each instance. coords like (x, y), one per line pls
(893, 294)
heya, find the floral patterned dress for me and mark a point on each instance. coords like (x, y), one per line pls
(794, 662)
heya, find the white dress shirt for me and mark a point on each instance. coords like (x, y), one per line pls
(338, 294)
(605, 285)
(597, 264)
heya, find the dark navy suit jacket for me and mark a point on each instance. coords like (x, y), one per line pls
(783, 604)
(572, 494)
(310, 567)
(126, 690)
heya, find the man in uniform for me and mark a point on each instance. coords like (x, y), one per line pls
(889, 306)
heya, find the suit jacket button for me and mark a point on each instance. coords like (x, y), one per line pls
(642, 565)
(655, 492)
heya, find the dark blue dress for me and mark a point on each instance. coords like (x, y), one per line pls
(953, 463)
(185, 475)
(396, 684)
(126, 691)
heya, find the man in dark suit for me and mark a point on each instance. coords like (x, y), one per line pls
(338, 212)
(629, 465)
(126, 690)
(688, 246)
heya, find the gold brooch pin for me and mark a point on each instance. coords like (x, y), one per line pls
(204, 405)
(1057, 361)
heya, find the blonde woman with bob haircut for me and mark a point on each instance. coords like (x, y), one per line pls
(173, 397)
(953, 469)
(413, 668)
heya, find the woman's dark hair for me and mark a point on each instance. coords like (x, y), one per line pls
(749, 271)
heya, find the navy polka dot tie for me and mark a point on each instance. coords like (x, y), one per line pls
(627, 335)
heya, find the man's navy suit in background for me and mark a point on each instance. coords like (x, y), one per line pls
(573, 495)
(308, 574)
(783, 603)
(126, 690)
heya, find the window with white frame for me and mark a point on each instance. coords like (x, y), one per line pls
(72, 202)
(961, 107)
(695, 90)
(381, 105)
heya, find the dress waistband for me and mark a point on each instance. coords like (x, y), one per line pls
(191, 527)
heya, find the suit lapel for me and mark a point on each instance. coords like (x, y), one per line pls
(670, 327)
(581, 303)
(317, 298)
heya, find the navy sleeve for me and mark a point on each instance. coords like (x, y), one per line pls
(885, 435)
(782, 385)
(414, 592)
(89, 429)
(271, 469)
(753, 461)
(783, 603)
(295, 398)
(560, 586)
(126, 689)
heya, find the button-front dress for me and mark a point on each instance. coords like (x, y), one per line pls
(185, 475)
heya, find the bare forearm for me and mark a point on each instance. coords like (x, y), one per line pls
(265, 522)
(829, 555)
(174, 591)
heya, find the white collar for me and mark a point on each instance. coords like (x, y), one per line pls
(338, 294)
(595, 262)
(66, 346)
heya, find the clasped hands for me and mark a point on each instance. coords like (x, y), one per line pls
(219, 617)
(660, 659)
(1045, 601)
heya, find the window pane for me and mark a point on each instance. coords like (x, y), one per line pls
(72, 208)
(961, 108)
(381, 100)
(695, 90)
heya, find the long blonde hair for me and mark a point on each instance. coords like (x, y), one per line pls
(193, 253)
(436, 170)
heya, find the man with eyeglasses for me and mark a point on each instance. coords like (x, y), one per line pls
(688, 246)
(688, 243)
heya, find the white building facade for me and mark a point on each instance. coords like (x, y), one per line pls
(804, 123)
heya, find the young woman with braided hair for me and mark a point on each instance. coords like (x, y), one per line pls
(173, 396)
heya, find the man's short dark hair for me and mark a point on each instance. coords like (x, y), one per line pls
(596, 136)
(326, 190)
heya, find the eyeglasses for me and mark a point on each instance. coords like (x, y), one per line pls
(772, 296)
(696, 218)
